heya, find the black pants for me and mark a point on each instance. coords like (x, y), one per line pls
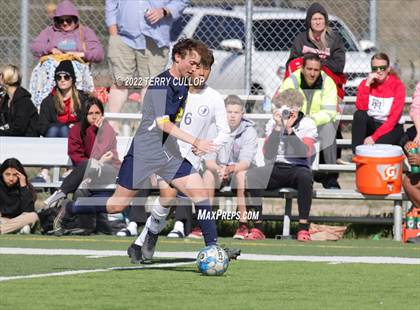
(281, 175)
(364, 126)
(82, 171)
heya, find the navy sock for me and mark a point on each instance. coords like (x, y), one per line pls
(207, 225)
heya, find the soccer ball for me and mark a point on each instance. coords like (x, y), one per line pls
(212, 261)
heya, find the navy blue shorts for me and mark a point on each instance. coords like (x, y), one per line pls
(134, 174)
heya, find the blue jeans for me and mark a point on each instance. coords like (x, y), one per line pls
(58, 132)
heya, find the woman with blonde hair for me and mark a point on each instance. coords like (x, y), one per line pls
(18, 115)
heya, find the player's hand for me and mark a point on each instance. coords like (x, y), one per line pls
(201, 147)
(417, 139)
(22, 179)
(107, 157)
(371, 78)
(153, 180)
(99, 121)
(369, 140)
(56, 51)
(154, 15)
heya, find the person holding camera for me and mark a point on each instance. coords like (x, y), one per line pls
(380, 103)
(288, 151)
(18, 115)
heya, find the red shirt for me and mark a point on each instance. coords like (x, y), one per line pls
(384, 102)
(67, 117)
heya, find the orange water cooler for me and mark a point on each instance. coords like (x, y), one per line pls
(379, 169)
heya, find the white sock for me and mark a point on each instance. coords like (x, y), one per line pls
(156, 222)
(179, 226)
(132, 227)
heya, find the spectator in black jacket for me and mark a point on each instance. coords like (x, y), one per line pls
(320, 39)
(17, 199)
(18, 115)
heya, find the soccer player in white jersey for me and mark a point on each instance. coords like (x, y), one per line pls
(204, 107)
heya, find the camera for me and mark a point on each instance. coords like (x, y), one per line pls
(285, 114)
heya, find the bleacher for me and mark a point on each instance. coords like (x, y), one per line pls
(52, 152)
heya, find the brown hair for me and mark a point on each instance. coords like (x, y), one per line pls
(188, 45)
(207, 59)
(383, 56)
(74, 100)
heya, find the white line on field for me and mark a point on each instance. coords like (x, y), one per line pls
(253, 257)
(75, 272)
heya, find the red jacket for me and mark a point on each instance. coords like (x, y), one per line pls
(97, 142)
(384, 102)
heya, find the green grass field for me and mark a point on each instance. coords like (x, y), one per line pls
(175, 283)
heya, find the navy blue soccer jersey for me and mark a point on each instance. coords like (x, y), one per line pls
(164, 101)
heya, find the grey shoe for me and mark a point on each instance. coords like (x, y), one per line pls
(54, 199)
(232, 253)
(148, 248)
(134, 252)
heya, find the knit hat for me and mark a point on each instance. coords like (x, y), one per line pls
(66, 67)
(315, 8)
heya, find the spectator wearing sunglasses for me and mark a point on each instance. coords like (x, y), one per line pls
(64, 39)
(61, 109)
(66, 35)
(380, 103)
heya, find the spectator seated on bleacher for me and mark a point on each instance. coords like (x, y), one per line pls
(380, 104)
(18, 115)
(92, 148)
(232, 161)
(320, 103)
(65, 39)
(288, 150)
(17, 199)
(61, 109)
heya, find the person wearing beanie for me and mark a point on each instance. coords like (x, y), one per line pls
(60, 109)
(320, 39)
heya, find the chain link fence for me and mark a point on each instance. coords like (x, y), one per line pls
(250, 52)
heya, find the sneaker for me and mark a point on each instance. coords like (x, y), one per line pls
(176, 234)
(331, 184)
(232, 253)
(59, 218)
(241, 233)
(196, 233)
(303, 236)
(255, 234)
(149, 246)
(25, 230)
(53, 200)
(134, 252)
(130, 230)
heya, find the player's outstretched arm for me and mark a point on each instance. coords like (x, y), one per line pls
(200, 146)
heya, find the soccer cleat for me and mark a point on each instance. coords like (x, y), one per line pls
(149, 245)
(241, 232)
(134, 252)
(232, 253)
(255, 234)
(303, 236)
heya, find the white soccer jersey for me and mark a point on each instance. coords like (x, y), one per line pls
(201, 110)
